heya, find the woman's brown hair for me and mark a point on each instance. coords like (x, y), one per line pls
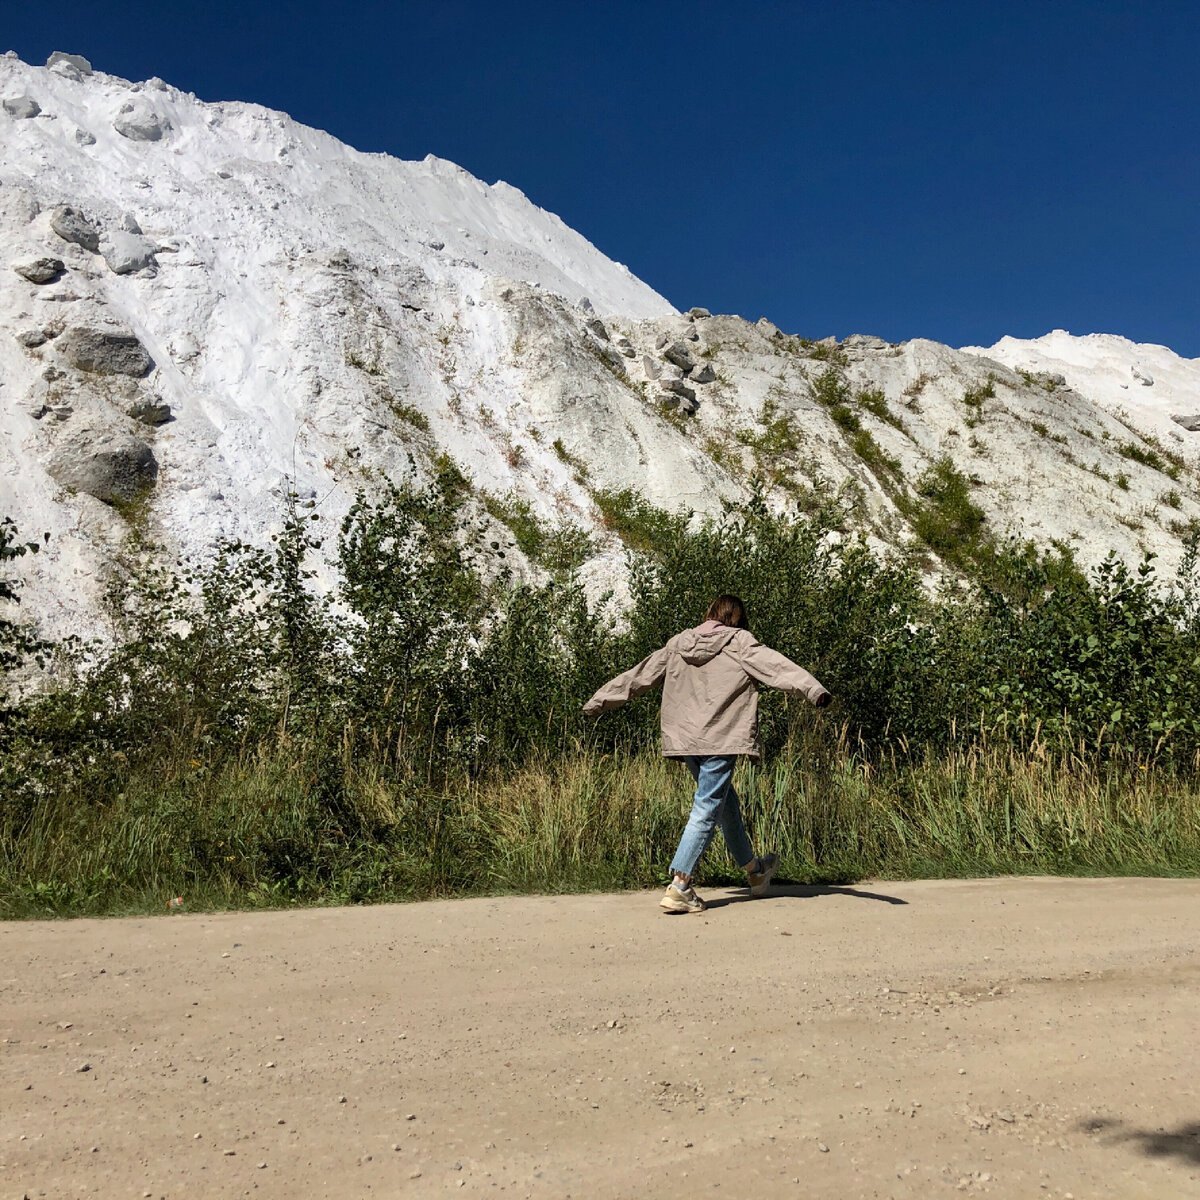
(728, 610)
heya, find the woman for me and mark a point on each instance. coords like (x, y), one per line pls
(710, 716)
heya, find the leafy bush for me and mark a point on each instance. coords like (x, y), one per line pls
(420, 732)
(945, 518)
(830, 388)
(974, 397)
(780, 434)
(636, 522)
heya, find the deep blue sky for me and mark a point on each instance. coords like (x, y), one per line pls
(948, 170)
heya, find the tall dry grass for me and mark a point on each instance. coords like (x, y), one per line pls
(265, 830)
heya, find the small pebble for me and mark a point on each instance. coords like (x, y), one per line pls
(410, 1116)
(83, 1067)
(824, 1149)
(341, 1099)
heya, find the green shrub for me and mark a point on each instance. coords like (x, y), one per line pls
(246, 742)
(945, 518)
(974, 397)
(779, 433)
(845, 417)
(830, 388)
(636, 521)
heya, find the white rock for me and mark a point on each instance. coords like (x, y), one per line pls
(127, 252)
(22, 107)
(77, 61)
(138, 120)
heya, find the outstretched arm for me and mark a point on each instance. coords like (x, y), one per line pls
(647, 674)
(769, 667)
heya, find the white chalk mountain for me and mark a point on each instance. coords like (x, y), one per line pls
(200, 302)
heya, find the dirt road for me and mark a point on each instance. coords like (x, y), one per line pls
(1009, 1038)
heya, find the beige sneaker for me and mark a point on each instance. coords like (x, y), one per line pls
(681, 900)
(761, 880)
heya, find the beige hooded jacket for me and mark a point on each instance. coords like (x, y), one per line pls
(710, 696)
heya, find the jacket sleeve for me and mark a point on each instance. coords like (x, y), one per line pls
(646, 675)
(773, 669)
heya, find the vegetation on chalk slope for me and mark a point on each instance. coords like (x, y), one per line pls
(420, 733)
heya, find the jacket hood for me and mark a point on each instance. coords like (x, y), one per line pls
(702, 644)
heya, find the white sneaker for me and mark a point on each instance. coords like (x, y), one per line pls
(761, 880)
(681, 900)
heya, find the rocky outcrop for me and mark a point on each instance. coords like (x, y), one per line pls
(111, 465)
(73, 225)
(39, 270)
(77, 61)
(865, 341)
(104, 350)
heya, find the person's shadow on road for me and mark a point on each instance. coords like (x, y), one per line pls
(801, 891)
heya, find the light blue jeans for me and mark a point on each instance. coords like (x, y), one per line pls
(715, 803)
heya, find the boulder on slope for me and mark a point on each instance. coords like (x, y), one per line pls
(149, 410)
(679, 354)
(39, 270)
(104, 350)
(108, 464)
(73, 225)
(22, 107)
(139, 121)
(127, 252)
(678, 388)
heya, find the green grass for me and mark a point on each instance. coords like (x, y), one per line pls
(636, 522)
(261, 833)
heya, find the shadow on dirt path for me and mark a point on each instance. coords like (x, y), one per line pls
(1182, 1142)
(801, 891)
